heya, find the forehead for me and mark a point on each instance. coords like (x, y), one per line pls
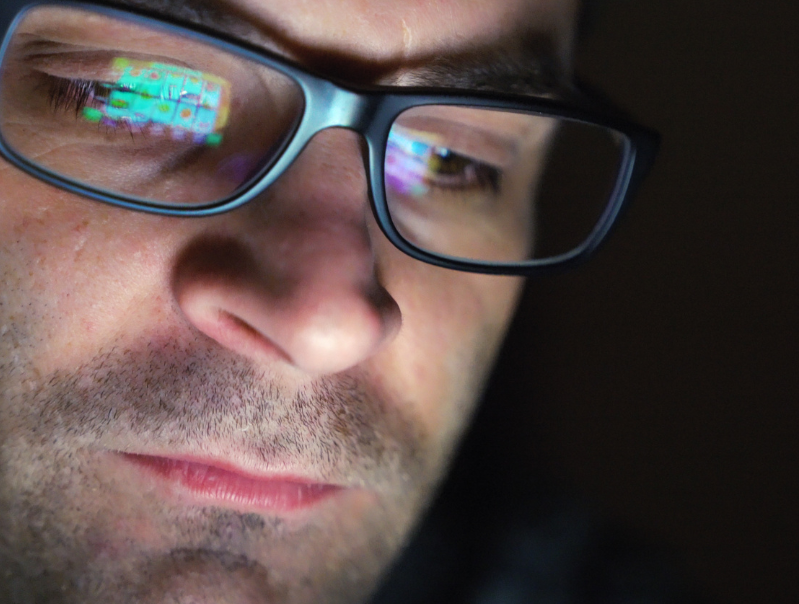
(407, 29)
(384, 36)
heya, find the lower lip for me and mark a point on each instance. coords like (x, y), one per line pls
(217, 486)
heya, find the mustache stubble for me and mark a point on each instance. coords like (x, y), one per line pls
(204, 399)
(194, 397)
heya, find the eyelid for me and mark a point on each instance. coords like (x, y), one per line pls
(88, 65)
(466, 139)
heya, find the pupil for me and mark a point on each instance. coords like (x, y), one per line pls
(447, 162)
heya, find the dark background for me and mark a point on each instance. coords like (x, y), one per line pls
(638, 439)
(661, 380)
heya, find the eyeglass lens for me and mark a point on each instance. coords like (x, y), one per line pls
(130, 109)
(498, 186)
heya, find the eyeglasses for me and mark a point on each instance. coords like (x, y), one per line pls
(147, 114)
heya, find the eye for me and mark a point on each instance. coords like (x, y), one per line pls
(451, 170)
(418, 164)
(76, 94)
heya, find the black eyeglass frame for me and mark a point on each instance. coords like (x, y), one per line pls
(369, 111)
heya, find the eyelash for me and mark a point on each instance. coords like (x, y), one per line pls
(68, 94)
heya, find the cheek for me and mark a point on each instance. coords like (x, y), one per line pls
(76, 273)
(79, 276)
(452, 326)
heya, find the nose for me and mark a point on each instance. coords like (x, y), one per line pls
(291, 278)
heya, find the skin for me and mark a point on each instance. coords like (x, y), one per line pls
(287, 337)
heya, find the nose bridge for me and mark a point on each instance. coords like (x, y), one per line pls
(300, 286)
(318, 210)
(324, 195)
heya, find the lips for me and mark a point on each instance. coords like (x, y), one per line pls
(212, 484)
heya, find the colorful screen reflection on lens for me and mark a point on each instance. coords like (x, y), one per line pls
(164, 99)
(410, 159)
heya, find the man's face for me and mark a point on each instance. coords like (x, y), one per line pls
(251, 407)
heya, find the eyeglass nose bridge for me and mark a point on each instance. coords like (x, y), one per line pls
(326, 106)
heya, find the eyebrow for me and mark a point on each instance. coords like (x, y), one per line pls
(526, 63)
(528, 69)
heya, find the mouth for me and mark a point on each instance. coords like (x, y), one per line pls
(215, 483)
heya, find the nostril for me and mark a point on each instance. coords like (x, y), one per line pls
(316, 309)
(221, 314)
(242, 335)
(220, 286)
(234, 323)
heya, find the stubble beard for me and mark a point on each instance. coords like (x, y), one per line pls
(62, 539)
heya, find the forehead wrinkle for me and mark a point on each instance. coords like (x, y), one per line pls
(526, 61)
